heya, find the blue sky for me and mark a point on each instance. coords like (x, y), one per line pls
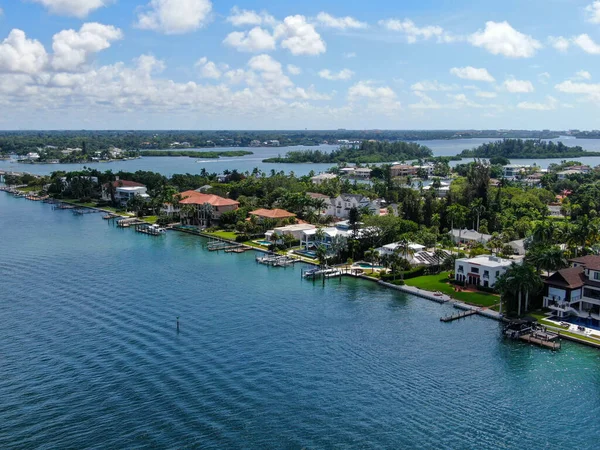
(199, 64)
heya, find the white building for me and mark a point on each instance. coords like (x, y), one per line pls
(482, 270)
(512, 171)
(124, 191)
(310, 241)
(390, 249)
(318, 179)
(33, 156)
(296, 231)
(340, 206)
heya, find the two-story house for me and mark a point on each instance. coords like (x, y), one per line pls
(483, 270)
(576, 290)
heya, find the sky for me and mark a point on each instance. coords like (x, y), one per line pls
(267, 64)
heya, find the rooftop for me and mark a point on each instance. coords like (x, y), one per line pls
(198, 198)
(487, 261)
(590, 262)
(571, 278)
(273, 213)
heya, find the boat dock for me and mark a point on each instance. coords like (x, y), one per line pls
(60, 206)
(460, 315)
(149, 229)
(276, 260)
(543, 339)
(131, 221)
(82, 211)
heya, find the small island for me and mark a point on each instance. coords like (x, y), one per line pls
(368, 152)
(528, 148)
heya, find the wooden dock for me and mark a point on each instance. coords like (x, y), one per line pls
(459, 315)
(541, 340)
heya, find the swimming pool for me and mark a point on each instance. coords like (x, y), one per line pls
(307, 253)
(265, 243)
(367, 266)
(583, 321)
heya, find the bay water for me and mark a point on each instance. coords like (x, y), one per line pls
(90, 356)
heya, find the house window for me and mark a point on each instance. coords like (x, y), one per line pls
(486, 273)
(474, 269)
(497, 273)
(461, 269)
(596, 275)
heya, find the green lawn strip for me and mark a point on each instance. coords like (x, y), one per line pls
(150, 219)
(440, 283)
(224, 235)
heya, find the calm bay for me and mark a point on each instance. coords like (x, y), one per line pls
(90, 356)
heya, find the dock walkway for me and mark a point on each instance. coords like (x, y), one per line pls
(460, 315)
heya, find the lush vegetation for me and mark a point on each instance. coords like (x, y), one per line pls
(366, 152)
(531, 149)
(195, 154)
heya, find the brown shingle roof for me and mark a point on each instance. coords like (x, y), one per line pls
(198, 198)
(590, 261)
(571, 278)
(273, 213)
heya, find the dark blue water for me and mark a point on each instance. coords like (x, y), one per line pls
(90, 356)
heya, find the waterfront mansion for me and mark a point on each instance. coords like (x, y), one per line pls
(576, 290)
(483, 270)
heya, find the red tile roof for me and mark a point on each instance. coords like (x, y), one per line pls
(273, 213)
(198, 198)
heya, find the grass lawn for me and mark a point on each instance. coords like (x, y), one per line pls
(224, 234)
(150, 219)
(440, 283)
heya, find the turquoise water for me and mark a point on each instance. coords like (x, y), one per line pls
(90, 356)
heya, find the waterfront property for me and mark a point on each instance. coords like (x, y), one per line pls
(207, 208)
(295, 230)
(278, 215)
(576, 290)
(403, 170)
(482, 270)
(322, 177)
(123, 191)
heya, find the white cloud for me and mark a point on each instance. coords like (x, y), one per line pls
(255, 40)
(551, 104)
(76, 8)
(344, 74)
(148, 64)
(19, 54)
(472, 73)
(299, 37)
(414, 33)
(208, 69)
(244, 17)
(499, 38)
(340, 23)
(349, 55)
(587, 44)
(74, 48)
(518, 86)
(544, 77)
(583, 75)
(593, 12)
(560, 43)
(484, 94)
(433, 86)
(294, 70)
(380, 99)
(174, 16)
(590, 91)
(425, 102)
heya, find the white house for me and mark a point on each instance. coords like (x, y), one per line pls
(32, 156)
(296, 231)
(341, 205)
(124, 191)
(482, 270)
(389, 249)
(310, 241)
(512, 171)
(318, 179)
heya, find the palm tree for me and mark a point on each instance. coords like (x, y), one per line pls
(405, 248)
(439, 255)
(321, 253)
(187, 212)
(518, 279)
(339, 244)
(371, 255)
(478, 208)
(320, 236)
(548, 258)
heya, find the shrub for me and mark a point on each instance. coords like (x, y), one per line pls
(242, 238)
